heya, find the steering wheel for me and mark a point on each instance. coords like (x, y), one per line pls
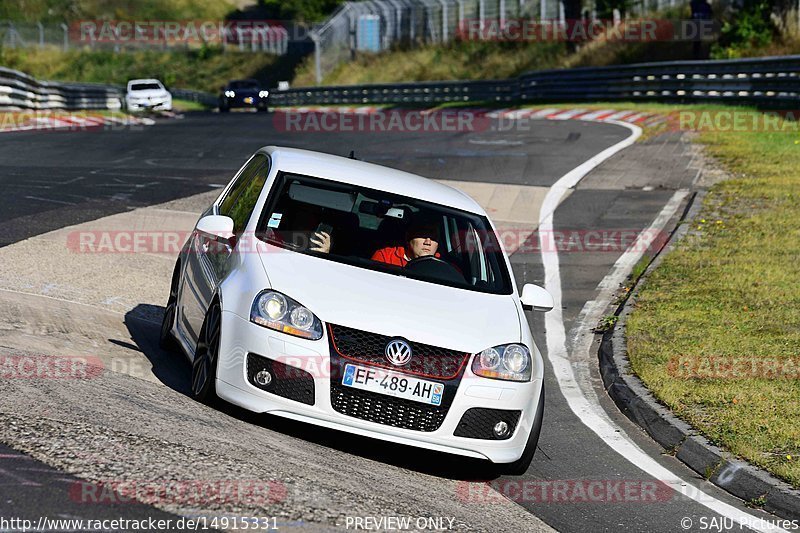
(423, 259)
(434, 267)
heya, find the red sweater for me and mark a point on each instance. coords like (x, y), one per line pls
(394, 255)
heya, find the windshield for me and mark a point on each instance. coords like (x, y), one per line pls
(380, 231)
(243, 85)
(145, 86)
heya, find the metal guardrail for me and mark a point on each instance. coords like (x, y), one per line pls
(773, 81)
(20, 91)
(204, 98)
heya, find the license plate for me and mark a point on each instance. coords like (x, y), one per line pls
(393, 384)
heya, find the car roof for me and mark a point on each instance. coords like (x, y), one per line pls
(363, 174)
(148, 80)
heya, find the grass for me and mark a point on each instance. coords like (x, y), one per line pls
(205, 69)
(461, 60)
(455, 60)
(478, 60)
(61, 10)
(187, 105)
(730, 293)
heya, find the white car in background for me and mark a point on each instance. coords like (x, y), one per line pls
(435, 353)
(147, 94)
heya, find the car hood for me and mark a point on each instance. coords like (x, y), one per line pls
(244, 92)
(392, 305)
(149, 93)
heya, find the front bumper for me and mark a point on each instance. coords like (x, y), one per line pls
(241, 337)
(245, 101)
(155, 105)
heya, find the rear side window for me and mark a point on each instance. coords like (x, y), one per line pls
(240, 200)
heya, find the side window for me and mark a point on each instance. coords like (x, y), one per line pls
(241, 199)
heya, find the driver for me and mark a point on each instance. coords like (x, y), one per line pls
(422, 238)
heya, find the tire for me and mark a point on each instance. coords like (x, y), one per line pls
(206, 355)
(166, 339)
(521, 465)
(224, 109)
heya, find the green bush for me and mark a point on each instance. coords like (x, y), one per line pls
(747, 31)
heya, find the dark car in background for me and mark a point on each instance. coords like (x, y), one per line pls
(243, 93)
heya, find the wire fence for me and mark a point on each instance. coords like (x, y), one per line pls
(244, 36)
(355, 27)
(377, 25)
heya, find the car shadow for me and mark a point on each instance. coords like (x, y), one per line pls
(174, 371)
(144, 325)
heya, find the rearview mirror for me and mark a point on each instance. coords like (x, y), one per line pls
(218, 227)
(536, 298)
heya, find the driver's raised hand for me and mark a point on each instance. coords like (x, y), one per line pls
(321, 241)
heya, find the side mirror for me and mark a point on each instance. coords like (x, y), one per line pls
(536, 298)
(218, 227)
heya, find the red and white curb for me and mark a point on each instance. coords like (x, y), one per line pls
(342, 110)
(603, 115)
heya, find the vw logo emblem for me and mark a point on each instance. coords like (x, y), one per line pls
(398, 352)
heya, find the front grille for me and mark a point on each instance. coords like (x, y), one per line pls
(478, 423)
(387, 410)
(287, 381)
(428, 361)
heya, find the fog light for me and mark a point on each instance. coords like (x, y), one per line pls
(501, 429)
(264, 378)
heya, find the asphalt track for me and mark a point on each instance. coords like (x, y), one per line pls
(54, 180)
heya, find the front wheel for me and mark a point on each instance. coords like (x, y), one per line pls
(521, 465)
(206, 355)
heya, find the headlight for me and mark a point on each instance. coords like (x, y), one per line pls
(510, 362)
(263, 94)
(276, 311)
(230, 94)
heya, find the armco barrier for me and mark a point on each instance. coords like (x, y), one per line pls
(20, 91)
(207, 99)
(773, 81)
(766, 81)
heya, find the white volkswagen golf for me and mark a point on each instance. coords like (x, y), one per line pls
(364, 299)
